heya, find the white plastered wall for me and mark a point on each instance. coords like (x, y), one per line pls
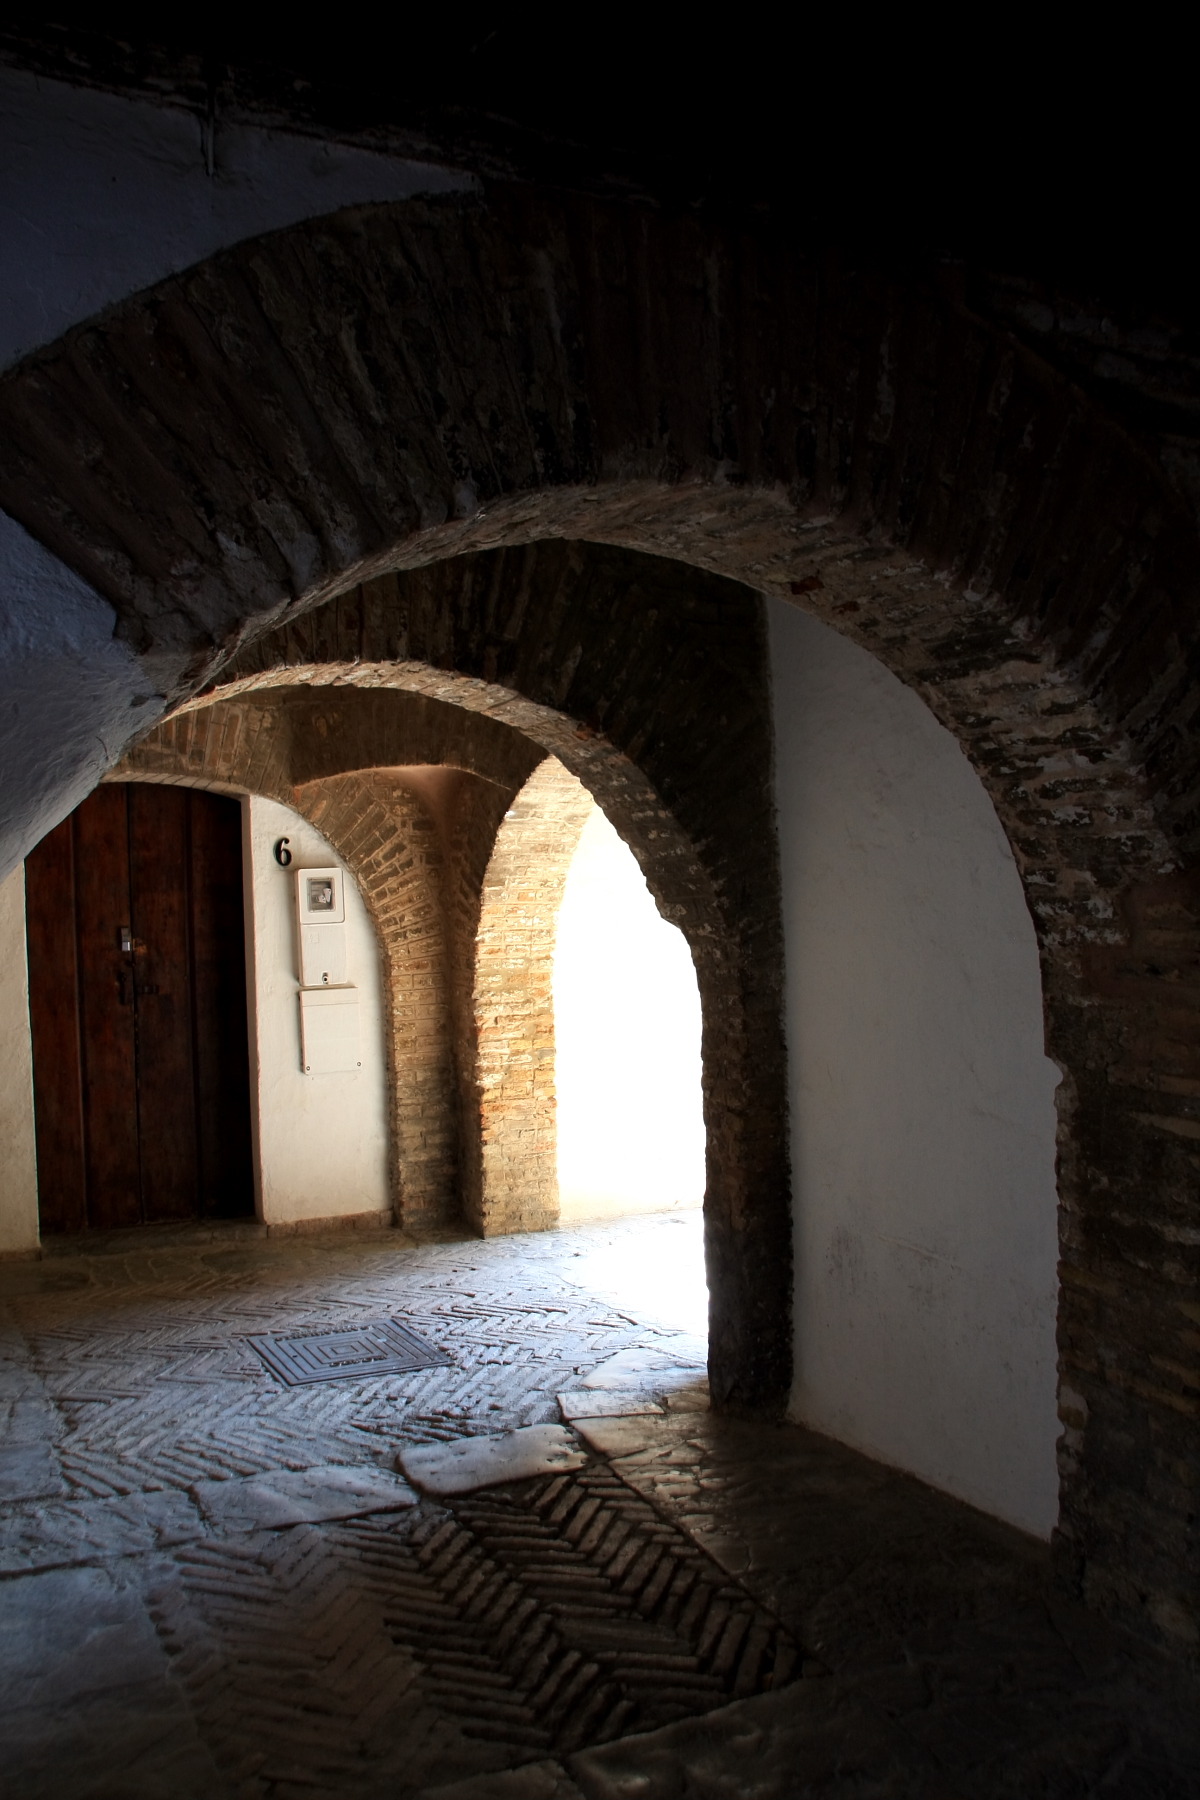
(630, 1110)
(922, 1103)
(18, 1150)
(320, 1141)
(104, 194)
(101, 196)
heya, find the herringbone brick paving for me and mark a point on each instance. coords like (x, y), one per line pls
(404, 1648)
(611, 1632)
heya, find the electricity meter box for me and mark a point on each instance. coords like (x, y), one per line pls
(329, 1035)
(321, 905)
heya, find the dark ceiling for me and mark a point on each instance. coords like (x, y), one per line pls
(1058, 172)
(976, 139)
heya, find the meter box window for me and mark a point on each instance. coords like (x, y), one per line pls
(322, 896)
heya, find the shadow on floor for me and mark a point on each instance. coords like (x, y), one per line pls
(215, 1585)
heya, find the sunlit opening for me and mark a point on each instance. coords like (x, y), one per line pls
(654, 1270)
(627, 1035)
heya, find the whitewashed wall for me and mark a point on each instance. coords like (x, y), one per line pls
(320, 1141)
(923, 1121)
(18, 1150)
(101, 196)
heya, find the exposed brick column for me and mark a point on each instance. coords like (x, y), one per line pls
(470, 821)
(514, 1003)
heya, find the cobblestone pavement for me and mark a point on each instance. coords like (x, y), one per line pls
(213, 1585)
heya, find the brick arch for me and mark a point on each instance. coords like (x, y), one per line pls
(517, 1187)
(547, 620)
(375, 391)
(625, 718)
(714, 875)
(310, 735)
(392, 384)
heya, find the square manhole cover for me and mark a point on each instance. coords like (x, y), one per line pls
(380, 1347)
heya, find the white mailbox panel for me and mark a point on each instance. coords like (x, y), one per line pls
(329, 1039)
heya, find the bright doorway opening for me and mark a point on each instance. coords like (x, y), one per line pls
(630, 1117)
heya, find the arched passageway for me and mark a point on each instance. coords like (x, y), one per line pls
(700, 827)
(897, 463)
(308, 726)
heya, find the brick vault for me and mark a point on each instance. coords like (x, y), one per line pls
(525, 460)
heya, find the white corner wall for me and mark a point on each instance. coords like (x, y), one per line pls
(923, 1121)
(18, 1149)
(630, 1111)
(320, 1141)
(102, 195)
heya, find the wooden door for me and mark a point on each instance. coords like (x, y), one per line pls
(137, 1001)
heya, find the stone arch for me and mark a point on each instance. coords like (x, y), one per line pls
(395, 385)
(211, 454)
(514, 1000)
(1064, 786)
(405, 706)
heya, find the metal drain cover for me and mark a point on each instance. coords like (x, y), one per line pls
(379, 1347)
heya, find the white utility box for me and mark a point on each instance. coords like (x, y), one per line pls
(321, 905)
(329, 1038)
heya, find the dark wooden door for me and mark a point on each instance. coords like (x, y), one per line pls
(137, 1002)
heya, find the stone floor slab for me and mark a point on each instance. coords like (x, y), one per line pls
(535, 1781)
(607, 1403)
(470, 1463)
(619, 1434)
(27, 1416)
(54, 1533)
(650, 1370)
(30, 1471)
(776, 1747)
(136, 1743)
(67, 1633)
(294, 1497)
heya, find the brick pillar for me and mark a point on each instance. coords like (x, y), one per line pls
(514, 1003)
